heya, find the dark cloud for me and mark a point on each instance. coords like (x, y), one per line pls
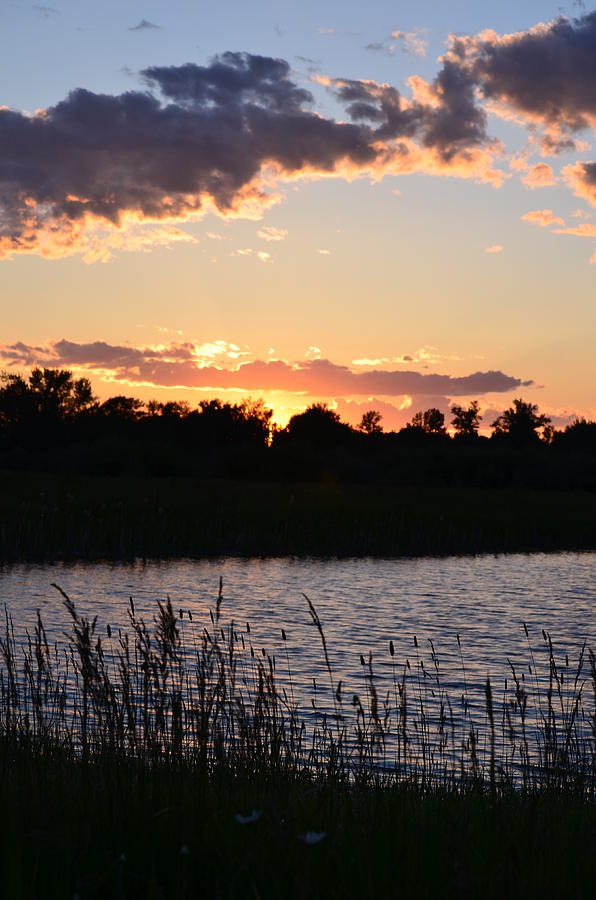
(202, 137)
(547, 74)
(451, 124)
(180, 365)
(231, 81)
(145, 25)
(202, 134)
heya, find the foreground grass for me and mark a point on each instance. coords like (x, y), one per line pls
(60, 517)
(129, 830)
(147, 764)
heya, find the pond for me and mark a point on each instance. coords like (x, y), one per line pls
(363, 604)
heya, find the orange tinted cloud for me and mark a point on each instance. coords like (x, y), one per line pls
(539, 175)
(222, 365)
(542, 217)
(582, 178)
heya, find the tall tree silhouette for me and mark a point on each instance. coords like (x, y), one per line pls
(466, 420)
(520, 423)
(370, 423)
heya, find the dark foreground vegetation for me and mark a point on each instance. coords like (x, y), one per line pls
(173, 761)
(62, 517)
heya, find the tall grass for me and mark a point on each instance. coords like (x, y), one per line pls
(175, 690)
(171, 759)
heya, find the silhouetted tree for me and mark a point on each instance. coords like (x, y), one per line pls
(466, 420)
(318, 425)
(520, 423)
(16, 401)
(58, 395)
(579, 436)
(431, 421)
(370, 423)
(122, 409)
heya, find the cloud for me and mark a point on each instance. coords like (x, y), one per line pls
(494, 248)
(415, 41)
(48, 12)
(542, 217)
(216, 138)
(544, 76)
(581, 177)
(191, 365)
(261, 255)
(224, 137)
(424, 355)
(269, 233)
(539, 175)
(145, 25)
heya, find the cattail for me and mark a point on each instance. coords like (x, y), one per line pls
(391, 648)
(283, 635)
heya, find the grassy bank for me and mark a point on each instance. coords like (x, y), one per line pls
(116, 830)
(60, 517)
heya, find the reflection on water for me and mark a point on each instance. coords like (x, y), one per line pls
(363, 604)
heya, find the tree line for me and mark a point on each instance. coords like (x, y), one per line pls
(51, 419)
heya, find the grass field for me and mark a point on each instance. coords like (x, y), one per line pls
(60, 517)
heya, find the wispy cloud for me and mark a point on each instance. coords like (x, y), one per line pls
(145, 25)
(494, 248)
(48, 12)
(542, 217)
(269, 233)
(415, 41)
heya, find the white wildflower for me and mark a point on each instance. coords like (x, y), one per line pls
(313, 837)
(254, 816)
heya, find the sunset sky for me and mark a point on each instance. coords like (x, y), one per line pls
(382, 204)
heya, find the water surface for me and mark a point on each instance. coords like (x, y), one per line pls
(363, 604)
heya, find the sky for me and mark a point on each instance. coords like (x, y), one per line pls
(386, 205)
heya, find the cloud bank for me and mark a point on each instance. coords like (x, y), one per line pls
(220, 365)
